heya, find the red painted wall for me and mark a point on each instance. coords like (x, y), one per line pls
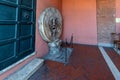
(80, 19)
(118, 15)
(41, 46)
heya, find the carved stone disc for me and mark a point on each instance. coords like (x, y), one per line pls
(50, 24)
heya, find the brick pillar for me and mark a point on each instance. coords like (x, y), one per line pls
(105, 20)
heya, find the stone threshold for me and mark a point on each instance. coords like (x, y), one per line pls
(117, 51)
(18, 62)
(26, 71)
(105, 44)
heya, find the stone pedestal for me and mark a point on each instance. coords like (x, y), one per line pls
(62, 55)
(54, 47)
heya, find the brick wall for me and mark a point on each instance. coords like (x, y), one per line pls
(118, 15)
(105, 20)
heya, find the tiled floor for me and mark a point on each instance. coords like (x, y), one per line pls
(86, 63)
(114, 56)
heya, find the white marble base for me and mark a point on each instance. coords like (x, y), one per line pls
(117, 50)
(26, 71)
(105, 44)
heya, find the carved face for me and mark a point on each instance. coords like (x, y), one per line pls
(50, 24)
(53, 24)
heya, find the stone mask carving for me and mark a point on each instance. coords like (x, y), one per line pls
(50, 24)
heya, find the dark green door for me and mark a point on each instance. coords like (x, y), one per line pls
(17, 30)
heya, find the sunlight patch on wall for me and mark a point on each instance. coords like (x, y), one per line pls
(117, 20)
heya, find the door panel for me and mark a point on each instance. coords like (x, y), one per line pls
(25, 30)
(10, 0)
(25, 45)
(7, 12)
(7, 51)
(27, 3)
(7, 32)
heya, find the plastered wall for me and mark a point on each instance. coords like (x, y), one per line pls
(80, 19)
